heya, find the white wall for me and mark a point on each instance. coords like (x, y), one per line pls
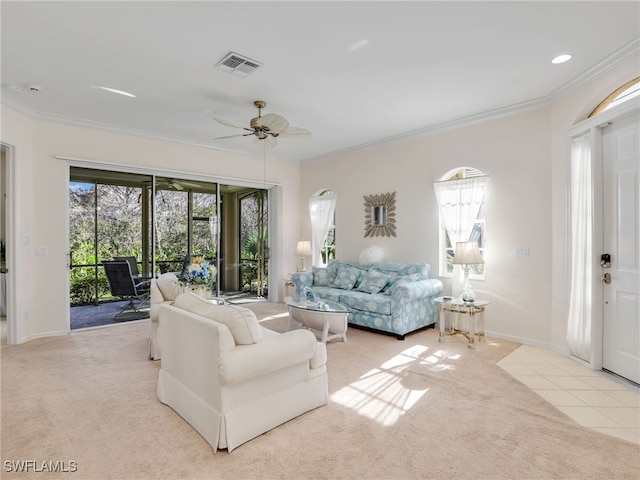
(17, 131)
(514, 151)
(526, 156)
(42, 198)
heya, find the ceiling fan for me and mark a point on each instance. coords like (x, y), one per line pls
(175, 184)
(269, 128)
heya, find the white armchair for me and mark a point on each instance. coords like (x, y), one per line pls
(164, 289)
(232, 379)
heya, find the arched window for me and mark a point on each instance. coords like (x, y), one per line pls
(624, 93)
(460, 194)
(322, 207)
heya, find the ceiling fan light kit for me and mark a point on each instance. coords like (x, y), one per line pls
(268, 128)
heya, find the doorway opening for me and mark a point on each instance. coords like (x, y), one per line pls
(604, 314)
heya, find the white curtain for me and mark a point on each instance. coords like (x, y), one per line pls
(582, 210)
(321, 210)
(459, 202)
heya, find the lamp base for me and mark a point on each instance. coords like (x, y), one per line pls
(467, 295)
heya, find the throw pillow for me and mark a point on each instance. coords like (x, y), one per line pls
(323, 277)
(241, 322)
(395, 279)
(346, 277)
(373, 281)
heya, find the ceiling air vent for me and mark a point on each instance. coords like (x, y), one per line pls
(238, 64)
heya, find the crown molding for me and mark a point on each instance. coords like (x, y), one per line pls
(616, 58)
(439, 127)
(84, 123)
(619, 56)
(17, 106)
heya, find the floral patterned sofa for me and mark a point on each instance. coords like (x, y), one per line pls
(396, 298)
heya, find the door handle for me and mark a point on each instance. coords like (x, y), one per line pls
(606, 278)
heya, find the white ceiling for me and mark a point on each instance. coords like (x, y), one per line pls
(423, 64)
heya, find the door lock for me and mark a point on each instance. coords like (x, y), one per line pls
(605, 260)
(606, 278)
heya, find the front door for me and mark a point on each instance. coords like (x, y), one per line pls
(621, 182)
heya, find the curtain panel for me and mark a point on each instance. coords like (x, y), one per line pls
(582, 211)
(321, 211)
(459, 202)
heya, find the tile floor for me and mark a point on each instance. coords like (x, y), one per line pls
(594, 399)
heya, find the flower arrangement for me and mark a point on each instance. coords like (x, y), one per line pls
(199, 272)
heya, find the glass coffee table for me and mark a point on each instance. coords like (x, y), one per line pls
(326, 319)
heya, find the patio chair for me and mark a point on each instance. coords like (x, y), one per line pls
(133, 263)
(122, 284)
(135, 272)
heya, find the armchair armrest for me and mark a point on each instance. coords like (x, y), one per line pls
(270, 354)
(300, 281)
(406, 291)
(302, 278)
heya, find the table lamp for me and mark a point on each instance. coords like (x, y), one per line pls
(467, 253)
(303, 249)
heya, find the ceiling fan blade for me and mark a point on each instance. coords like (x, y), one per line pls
(295, 134)
(274, 122)
(228, 123)
(233, 136)
(189, 184)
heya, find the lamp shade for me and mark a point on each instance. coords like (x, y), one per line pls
(467, 253)
(303, 247)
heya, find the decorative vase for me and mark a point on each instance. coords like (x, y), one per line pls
(200, 290)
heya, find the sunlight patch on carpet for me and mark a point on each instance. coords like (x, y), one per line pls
(384, 394)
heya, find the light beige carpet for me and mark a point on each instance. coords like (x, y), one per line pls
(416, 409)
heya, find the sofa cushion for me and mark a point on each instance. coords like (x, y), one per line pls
(422, 269)
(346, 277)
(328, 293)
(373, 281)
(366, 302)
(241, 322)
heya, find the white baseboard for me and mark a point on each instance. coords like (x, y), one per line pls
(527, 341)
(56, 333)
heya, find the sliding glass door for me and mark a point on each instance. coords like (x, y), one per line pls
(107, 219)
(160, 221)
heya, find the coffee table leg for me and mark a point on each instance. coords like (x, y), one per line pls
(289, 321)
(346, 322)
(325, 331)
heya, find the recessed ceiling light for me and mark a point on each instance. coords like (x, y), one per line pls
(113, 90)
(565, 57)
